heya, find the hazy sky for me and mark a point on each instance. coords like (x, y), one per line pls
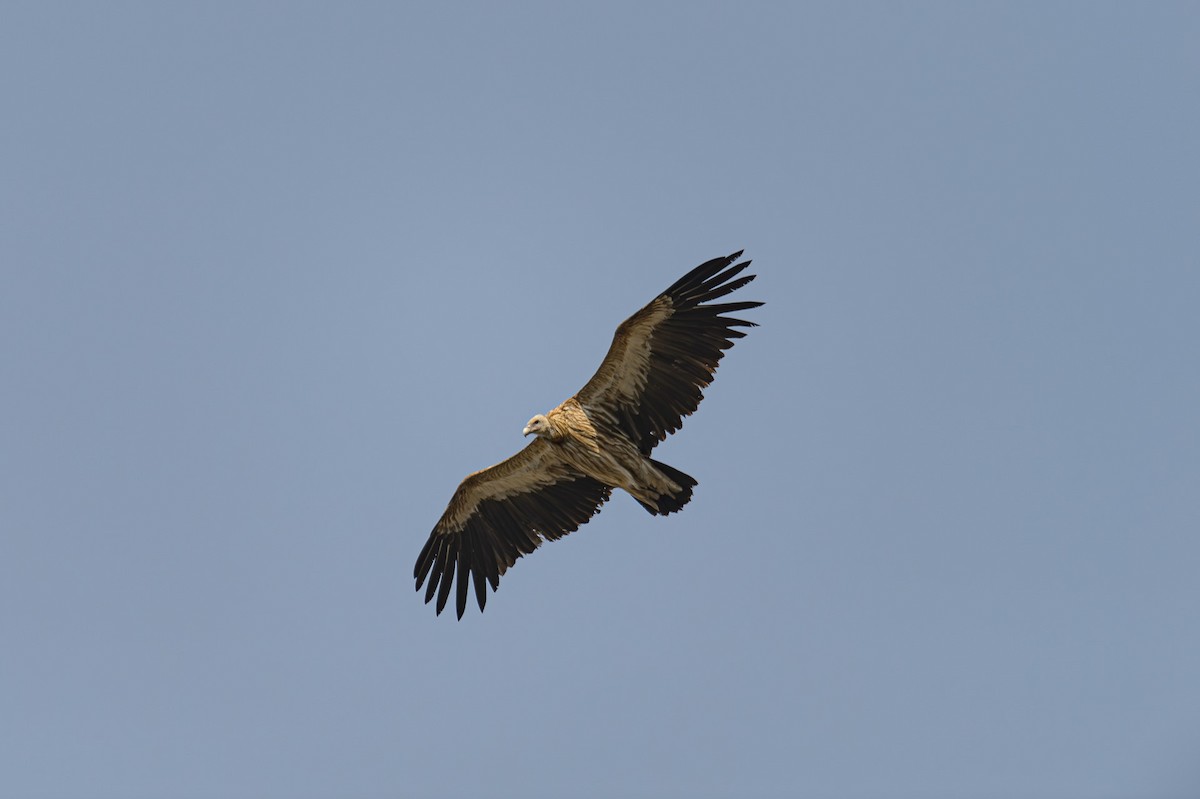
(274, 277)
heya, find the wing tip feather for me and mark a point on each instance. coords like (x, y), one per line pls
(495, 535)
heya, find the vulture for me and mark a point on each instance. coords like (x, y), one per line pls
(660, 361)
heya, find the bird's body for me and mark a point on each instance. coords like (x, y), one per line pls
(597, 440)
(593, 443)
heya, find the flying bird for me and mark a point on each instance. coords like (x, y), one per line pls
(660, 361)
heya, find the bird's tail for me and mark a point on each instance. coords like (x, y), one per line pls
(669, 503)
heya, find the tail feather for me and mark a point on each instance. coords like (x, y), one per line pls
(669, 503)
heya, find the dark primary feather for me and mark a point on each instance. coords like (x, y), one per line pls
(685, 348)
(497, 533)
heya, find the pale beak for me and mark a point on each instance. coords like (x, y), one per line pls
(526, 431)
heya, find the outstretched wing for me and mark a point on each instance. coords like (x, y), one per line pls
(664, 355)
(501, 513)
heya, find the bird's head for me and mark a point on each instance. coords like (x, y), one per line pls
(538, 425)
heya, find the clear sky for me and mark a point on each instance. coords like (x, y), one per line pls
(274, 277)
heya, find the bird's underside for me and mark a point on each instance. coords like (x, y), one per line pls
(596, 448)
(653, 376)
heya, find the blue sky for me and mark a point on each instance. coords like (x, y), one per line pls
(275, 277)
